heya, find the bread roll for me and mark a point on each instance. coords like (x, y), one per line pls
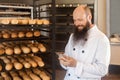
(2, 51)
(36, 33)
(25, 49)
(39, 22)
(8, 66)
(17, 50)
(14, 21)
(5, 21)
(9, 51)
(23, 21)
(45, 22)
(42, 47)
(32, 21)
(21, 34)
(18, 65)
(34, 49)
(14, 35)
(6, 35)
(29, 34)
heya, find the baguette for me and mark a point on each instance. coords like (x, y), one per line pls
(33, 76)
(24, 75)
(32, 62)
(5, 76)
(38, 60)
(15, 76)
(25, 63)
(8, 64)
(41, 47)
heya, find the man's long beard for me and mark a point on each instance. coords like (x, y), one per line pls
(81, 35)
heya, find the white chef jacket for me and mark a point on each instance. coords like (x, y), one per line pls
(93, 57)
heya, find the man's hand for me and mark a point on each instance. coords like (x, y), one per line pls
(67, 61)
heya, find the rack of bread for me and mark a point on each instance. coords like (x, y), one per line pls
(18, 58)
(21, 44)
(24, 21)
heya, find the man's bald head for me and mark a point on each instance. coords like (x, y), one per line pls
(83, 9)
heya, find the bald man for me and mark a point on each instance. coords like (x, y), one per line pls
(87, 53)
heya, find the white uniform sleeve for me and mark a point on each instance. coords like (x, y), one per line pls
(67, 47)
(99, 67)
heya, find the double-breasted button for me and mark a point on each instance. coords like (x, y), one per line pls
(86, 39)
(83, 51)
(78, 77)
(73, 49)
(69, 74)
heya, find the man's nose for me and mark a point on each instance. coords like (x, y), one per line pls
(77, 23)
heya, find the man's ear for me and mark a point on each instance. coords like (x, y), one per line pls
(89, 17)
